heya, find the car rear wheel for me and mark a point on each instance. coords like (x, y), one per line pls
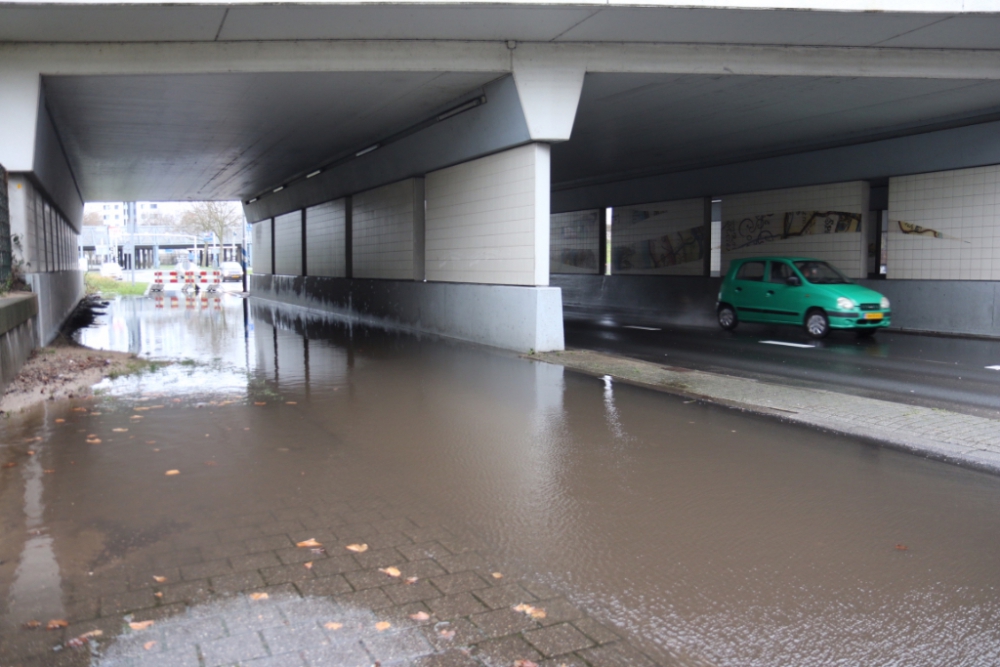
(817, 324)
(727, 317)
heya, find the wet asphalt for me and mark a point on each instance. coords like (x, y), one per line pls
(933, 371)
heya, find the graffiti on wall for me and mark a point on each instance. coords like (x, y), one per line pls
(917, 230)
(574, 241)
(766, 227)
(678, 247)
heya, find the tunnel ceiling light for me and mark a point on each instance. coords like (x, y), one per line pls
(366, 150)
(471, 104)
(315, 173)
(278, 189)
(253, 200)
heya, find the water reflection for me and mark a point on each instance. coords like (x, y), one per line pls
(705, 536)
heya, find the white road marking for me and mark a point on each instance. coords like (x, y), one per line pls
(993, 368)
(629, 326)
(781, 342)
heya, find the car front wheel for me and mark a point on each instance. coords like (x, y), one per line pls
(727, 318)
(817, 324)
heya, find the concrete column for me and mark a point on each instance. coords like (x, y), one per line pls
(549, 89)
(305, 263)
(348, 237)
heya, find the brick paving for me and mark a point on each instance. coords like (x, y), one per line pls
(932, 432)
(202, 589)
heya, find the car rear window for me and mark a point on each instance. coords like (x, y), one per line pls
(751, 271)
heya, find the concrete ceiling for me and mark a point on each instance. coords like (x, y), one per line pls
(230, 136)
(638, 124)
(523, 21)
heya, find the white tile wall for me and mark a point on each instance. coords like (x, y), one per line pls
(847, 251)
(48, 243)
(574, 242)
(288, 244)
(385, 223)
(633, 227)
(487, 221)
(262, 247)
(325, 239)
(964, 207)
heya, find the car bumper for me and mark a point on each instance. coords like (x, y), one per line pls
(871, 319)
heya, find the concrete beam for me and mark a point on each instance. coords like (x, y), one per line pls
(491, 56)
(549, 91)
(20, 93)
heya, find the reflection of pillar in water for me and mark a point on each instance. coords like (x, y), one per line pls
(305, 359)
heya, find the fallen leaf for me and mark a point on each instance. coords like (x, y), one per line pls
(30, 452)
(140, 625)
(383, 625)
(55, 624)
(32, 625)
(333, 626)
(446, 634)
(901, 547)
(411, 580)
(119, 430)
(497, 575)
(357, 548)
(308, 565)
(525, 663)
(211, 463)
(141, 409)
(136, 417)
(158, 594)
(291, 403)
(259, 403)
(48, 471)
(60, 421)
(533, 612)
(391, 571)
(258, 596)
(151, 442)
(93, 441)
(79, 409)
(158, 579)
(149, 645)
(10, 464)
(172, 472)
(420, 616)
(311, 542)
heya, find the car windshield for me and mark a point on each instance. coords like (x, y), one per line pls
(821, 273)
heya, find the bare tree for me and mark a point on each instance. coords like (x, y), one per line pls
(159, 219)
(93, 219)
(211, 217)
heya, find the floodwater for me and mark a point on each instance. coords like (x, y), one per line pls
(702, 535)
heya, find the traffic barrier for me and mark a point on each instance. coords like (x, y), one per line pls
(157, 285)
(159, 301)
(212, 280)
(189, 280)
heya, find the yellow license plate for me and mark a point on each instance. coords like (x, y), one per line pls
(873, 316)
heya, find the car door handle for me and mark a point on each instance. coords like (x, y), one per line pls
(739, 289)
(770, 292)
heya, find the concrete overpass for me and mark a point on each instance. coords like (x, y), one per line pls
(431, 165)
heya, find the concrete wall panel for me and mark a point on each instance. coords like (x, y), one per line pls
(575, 244)
(487, 221)
(945, 225)
(385, 225)
(325, 239)
(58, 294)
(667, 238)
(288, 244)
(262, 248)
(824, 221)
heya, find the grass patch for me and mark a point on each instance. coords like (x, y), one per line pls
(136, 367)
(98, 284)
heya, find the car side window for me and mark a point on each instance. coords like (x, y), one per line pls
(751, 271)
(780, 272)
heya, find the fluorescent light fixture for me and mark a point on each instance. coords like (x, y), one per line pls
(278, 189)
(471, 104)
(366, 150)
(253, 200)
(315, 173)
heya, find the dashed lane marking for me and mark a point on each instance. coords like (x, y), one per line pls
(630, 326)
(993, 368)
(786, 344)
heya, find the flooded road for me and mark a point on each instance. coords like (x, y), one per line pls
(699, 535)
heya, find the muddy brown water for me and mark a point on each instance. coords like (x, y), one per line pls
(706, 536)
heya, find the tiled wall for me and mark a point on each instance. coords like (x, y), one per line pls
(47, 241)
(262, 247)
(753, 223)
(325, 239)
(288, 244)
(386, 224)
(574, 242)
(667, 238)
(945, 225)
(487, 221)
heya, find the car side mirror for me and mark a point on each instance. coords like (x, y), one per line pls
(793, 281)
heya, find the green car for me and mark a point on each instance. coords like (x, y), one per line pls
(798, 290)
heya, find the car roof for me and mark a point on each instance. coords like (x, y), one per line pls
(777, 257)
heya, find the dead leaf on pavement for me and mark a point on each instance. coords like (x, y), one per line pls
(259, 596)
(120, 430)
(32, 625)
(172, 472)
(333, 626)
(158, 594)
(411, 580)
(901, 547)
(357, 548)
(446, 634)
(420, 616)
(211, 463)
(60, 421)
(48, 471)
(383, 625)
(79, 409)
(291, 402)
(391, 571)
(30, 452)
(93, 441)
(311, 542)
(259, 403)
(9, 464)
(525, 663)
(55, 624)
(158, 579)
(497, 575)
(308, 565)
(140, 625)
(149, 645)
(533, 612)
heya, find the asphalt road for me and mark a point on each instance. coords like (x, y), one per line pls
(924, 370)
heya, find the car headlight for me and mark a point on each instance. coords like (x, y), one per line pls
(844, 303)
(885, 303)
